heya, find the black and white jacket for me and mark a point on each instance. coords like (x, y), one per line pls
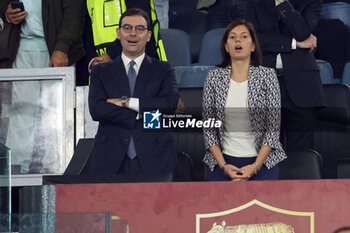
(264, 109)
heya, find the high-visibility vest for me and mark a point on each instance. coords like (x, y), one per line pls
(105, 20)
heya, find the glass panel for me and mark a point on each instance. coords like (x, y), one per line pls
(5, 183)
(64, 223)
(37, 118)
(32, 125)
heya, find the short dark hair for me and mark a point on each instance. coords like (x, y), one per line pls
(136, 11)
(255, 57)
(342, 229)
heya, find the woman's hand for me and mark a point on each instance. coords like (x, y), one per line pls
(250, 170)
(235, 173)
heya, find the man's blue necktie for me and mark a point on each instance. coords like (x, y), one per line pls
(132, 81)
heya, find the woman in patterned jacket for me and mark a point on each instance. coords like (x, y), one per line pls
(245, 97)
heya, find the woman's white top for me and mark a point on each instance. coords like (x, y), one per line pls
(238, 137)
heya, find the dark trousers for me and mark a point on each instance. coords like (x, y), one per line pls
(129, 166)
(297, 124)
(264, 174)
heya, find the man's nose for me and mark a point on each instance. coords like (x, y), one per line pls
(133, 31)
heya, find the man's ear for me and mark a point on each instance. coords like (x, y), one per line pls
(149, 36)
(118, 31)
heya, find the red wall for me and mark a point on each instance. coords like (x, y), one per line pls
(172, 207)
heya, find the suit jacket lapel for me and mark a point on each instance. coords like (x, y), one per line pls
(121, 77)
(223, 86)
(145, 73)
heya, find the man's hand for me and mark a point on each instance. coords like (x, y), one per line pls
(310, 43)
(15, 16)
(58, 59)
(101, 59)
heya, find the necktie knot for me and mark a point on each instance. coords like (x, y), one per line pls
(132, 63)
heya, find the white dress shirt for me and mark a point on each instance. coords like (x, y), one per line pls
(133, 102)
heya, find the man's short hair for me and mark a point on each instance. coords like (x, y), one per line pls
(136, 11)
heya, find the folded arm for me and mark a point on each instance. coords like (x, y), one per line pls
(103, 110)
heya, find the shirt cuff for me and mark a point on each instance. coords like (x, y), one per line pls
(89, 66)
(7, 19)
(294, 44)
(134, 104)
(279, 64)
(277, 3)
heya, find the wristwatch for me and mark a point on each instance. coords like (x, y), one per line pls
(124, 99)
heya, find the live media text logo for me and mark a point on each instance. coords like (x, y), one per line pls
(157, 120)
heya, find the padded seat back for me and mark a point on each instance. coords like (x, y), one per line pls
(332, 132)
(209, 53)
(177, 46)
(301, 165)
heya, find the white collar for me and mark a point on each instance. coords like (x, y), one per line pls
(137, 60)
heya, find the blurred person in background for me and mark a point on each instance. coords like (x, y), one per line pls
(47, 33)
(285, 30)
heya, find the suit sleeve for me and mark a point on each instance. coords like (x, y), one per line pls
(88, 39)
(105, 112)
(3, 8)
(72, 24)
(168, 94)
(273, 111)
(300, 24)
(270, 40)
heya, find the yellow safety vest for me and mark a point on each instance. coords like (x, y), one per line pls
(105, 20)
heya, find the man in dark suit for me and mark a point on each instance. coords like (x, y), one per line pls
(285, 32)
(120, 91)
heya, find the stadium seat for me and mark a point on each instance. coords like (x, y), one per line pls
(332, 132)
(209, 53)
(326, 72)
(191, 76)
(301, 165)
(183, 15)
(333, 49)
(346, 74)
(190, 143)
(343, 169)
(177, 46)
(79, 163)
(185, 168)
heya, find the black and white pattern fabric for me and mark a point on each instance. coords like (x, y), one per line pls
(264, 108)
